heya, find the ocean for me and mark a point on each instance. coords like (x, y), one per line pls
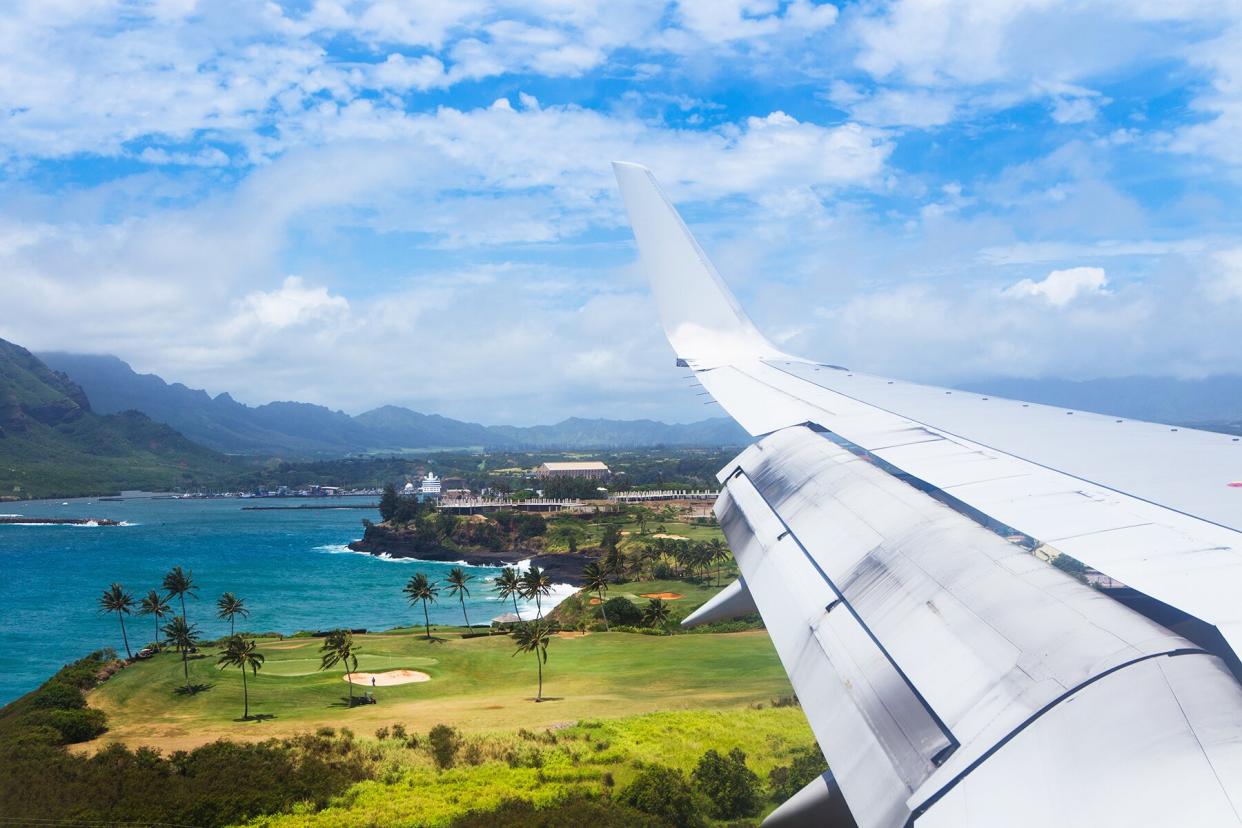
(292, 567)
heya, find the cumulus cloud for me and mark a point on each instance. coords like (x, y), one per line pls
(292, 304)
(164, 179)
(1060, 287)
(1225, 283)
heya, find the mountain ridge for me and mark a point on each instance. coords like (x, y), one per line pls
(54, 444)
(307, 429)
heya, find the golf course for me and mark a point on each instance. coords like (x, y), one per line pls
(476, 684)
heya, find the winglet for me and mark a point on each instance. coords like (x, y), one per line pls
(702, 319)
(731, 602)
(819, 805)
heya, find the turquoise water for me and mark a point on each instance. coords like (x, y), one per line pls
(291, 567)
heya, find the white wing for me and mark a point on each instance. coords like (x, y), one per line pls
(884, 530)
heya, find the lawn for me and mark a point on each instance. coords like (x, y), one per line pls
(674, 523)
(596, 756)
(477, 684)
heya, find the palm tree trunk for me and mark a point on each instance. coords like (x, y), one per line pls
(245, 695)
(157, 633)
(465, 614)
(231, 620)
(603, 612)
(185, 665)
(538, 605)
(539, 664)
(349, 679)
(426, 620)
(515, 609)
(182, 597)
(124, 637)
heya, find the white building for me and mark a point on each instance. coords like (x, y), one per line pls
(431, 484)
(409, 489)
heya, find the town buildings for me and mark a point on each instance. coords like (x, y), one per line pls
(591, 468)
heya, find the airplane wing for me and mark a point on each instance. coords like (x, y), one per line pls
(894, 537)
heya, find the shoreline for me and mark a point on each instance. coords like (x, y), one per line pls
(54, 521)
(561, 568)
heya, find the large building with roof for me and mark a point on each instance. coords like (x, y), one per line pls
(591, 468)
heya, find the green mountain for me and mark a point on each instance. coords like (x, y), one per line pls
(306, 430)
(53, 445)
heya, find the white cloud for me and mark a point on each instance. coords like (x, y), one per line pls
(1226, 283)
(400, 72)
(895, 107)
(1068, 110)
(1216, 136)
(293, 304)
(1060, 287)
(721, 21)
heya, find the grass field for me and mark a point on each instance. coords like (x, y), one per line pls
(592, 532)
(596, 756)
(476, 684)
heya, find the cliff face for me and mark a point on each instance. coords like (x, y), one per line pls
(53, 444)
(477, 542)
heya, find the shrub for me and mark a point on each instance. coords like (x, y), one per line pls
(398, 731)
(574, 810)
(473, 754)
(730, 786)
(664, 793)
(622, 611)
(58, 694)
(75, 725)
(786, 780)
(215, 785)
(663, 571)
(444, 741)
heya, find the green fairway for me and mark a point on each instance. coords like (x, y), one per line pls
(476, 684)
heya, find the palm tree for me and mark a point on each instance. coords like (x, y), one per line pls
(339, 648)
(116, 599)
(184, 636)
(230, 606)
(656, 613)
(720, 554)
(595, 577)
(535, 584)
(156, 605)
(509, 585)
(533, 637)
(419, 588)
(242, 652)
(179, 583)
(457, 580)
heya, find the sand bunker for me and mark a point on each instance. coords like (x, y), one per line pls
(667, 536)
(667, 596)
(388, 678)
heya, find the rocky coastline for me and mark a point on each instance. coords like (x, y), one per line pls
(562, 568)
(60, 521)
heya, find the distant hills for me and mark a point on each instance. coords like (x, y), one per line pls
(53, 444)
(304, 429)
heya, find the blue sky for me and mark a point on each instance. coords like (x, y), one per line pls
(410, 202)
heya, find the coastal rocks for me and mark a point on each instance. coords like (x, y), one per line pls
(42, 521)
(382, 539)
